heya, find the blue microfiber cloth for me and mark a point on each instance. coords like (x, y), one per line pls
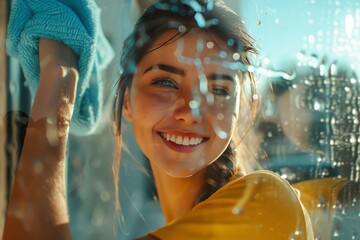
(76, 24)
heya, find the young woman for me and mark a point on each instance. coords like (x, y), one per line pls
(185, 87)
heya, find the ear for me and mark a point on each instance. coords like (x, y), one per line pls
(126, 108)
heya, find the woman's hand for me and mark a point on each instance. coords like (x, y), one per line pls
(37, 208)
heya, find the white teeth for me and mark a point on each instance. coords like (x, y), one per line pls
(179, 140)
(186, 141)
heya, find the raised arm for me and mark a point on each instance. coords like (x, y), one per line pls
(37, 208)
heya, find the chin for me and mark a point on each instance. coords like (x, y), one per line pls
(177, 171)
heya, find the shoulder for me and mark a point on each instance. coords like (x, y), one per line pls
(266, 201)
(257, 185)
(260, 205)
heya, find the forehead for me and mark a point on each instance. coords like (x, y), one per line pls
(187, 49)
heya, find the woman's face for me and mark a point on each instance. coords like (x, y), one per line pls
(183, 103)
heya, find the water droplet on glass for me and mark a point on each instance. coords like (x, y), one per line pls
(318, 104)
(231, 42)
(210, 99)
(199, 18)
(349, 24)
(333, 69)
(354, 235)
(236, 56)
(251, 68)
(220, 116)
(236, 210)
(353, 139)
(194, 104)
(325, 172)
(311, 39)
(105, 196)
(221, 134)
(295, 235)
(210, 45)
(200, 45)
(182, 29)
(197, 62)
(223, 54)
(288, 173)
(13, 88)
(266, 61)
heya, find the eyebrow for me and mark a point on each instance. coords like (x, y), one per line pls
(178, 71)
(215, 76)
(166, 68)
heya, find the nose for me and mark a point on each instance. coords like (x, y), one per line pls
(188, 111)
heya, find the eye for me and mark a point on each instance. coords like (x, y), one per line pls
(164, 82)
(220, 91)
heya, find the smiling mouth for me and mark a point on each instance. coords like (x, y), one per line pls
(181, 140)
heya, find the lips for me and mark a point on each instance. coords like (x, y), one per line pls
(182, 140)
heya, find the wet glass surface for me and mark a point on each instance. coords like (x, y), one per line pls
(308, 127)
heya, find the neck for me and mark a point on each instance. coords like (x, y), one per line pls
(177, 195)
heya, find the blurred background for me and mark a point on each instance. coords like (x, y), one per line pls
(309, 128)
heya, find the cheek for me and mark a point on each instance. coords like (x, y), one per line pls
(222, 119)
(223, 111)
(147, 105)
